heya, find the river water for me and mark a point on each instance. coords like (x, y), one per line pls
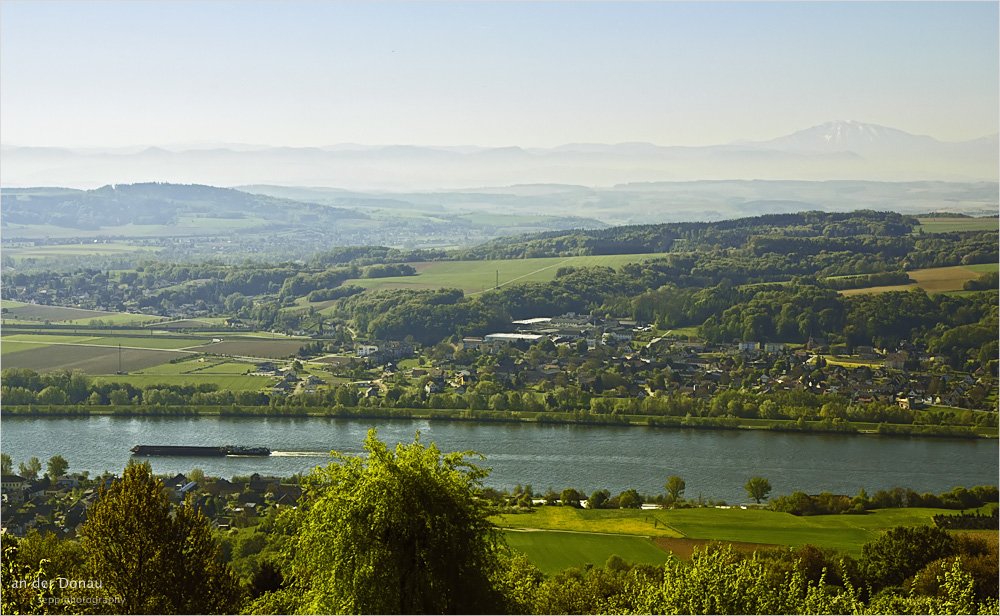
(714, 463)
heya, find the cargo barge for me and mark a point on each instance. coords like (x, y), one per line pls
(224, 450)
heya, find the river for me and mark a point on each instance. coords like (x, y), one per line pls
(714, 463)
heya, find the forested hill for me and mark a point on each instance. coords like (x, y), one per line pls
(637, 239)
(828, 231)
(157, 204)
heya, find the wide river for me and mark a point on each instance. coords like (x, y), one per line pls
(714, 463)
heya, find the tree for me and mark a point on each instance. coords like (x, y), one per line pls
(57, 466)
(902, 551)
(758, 488)
(570, 497)
(154, 562)
(675, 487)
(597, 499)
(629, 499)
(31, 470)
(7, 464)
(396, 532)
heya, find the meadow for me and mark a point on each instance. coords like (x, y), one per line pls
(262, 347)
(477, 276)
(934, 280)
(54, 314)
(19, 253)
(749, 526)
(948, 225)
(88, 358)
(232, 382)
(554, 551)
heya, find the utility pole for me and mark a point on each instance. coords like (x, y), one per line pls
(498, 280)
(119, 358)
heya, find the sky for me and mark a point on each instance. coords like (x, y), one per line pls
(530, 74)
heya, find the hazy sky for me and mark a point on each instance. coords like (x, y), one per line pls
(490, 74)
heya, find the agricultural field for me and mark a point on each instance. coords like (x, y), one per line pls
(477, 276)
(19, 253)
(231, 382)
(88, 358)
(554, 551)
(743, 526)
(54, 314)
(947, 225)
(263, 347)
(119, 318)
(934, 280)
(13, 347)
(140, 342)
(617, 521)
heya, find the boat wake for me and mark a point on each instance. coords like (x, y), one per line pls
(301, 454)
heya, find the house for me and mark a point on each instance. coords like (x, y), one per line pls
(774, 347)
(865, 352)
(749, 346)
(817, 344)
(433, 388)
(472, 343)
(896, 361)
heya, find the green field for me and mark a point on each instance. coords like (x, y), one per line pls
(70, 250)
(119, 318)
(232, 383)
(554, 551)
(983, 267)
(200, 366)
(947, 225)
(475, 276)
(619, 521)
(13, 347)
(759, 526)
(156, 342)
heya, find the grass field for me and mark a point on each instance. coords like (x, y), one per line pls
(983, 267)
(88, 358)
(13, 347)
(54, 314)
(843, 532)
(554, 551)
(264, 347)
(119, 318)
(619, 521)
(223, 381)
(70, 250)
(475, 276)
(946, 225)
(934, 280)
(156, 342)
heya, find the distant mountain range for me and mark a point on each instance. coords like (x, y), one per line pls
(834, 150)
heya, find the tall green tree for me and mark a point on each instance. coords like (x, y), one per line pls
(674, 487)
(57, 466)
(7, 464)
(396, 532)
(29, 470)
(157, 563)
(757, 488)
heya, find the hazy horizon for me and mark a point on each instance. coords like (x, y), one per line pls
(529, 75)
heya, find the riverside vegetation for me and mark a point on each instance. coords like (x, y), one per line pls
(410, 530)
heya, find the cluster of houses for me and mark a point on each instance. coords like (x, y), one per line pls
(696, 368)
(60, 505)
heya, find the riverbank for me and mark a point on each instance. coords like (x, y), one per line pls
(824, 426)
